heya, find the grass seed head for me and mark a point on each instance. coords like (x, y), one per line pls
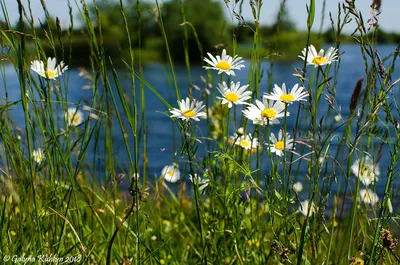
(355, 96)
(387, 240)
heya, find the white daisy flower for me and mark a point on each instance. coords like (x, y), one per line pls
(136, 176)
(224, 64)
(265, 112)
(202, 183)
(240, 131)
(278, 144)
(368, 197)
(171, 173)
(298, 187)
(74, 117)
(38, 155)
(305, 205)
(321, 58)
(365, 169)
(51, 71)
(338, 118)
(247, 142)
(280, 94)
(188, 110)
(236, 94)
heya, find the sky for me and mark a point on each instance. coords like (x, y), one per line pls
(389, 18)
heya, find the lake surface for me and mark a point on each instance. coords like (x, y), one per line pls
(161, 140)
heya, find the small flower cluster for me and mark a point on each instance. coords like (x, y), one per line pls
(171, 173)
(368, 172)
(278, 109)
(264, 112)
(233, 94)
(310, 55)
(272, 107)
(52, 71)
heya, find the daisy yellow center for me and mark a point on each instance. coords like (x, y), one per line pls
(365, 170)
(367, 196)
(286, 97)
(38, 157)
(357, 261)
(279, 145)
(74, 119)
(223, 65)
(189, 113)
(50, 73)
(170, 173)
(268, 113)
(232, 97)
(244, 143)
(319, 60)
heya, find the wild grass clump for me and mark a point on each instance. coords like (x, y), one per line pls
(260, 173)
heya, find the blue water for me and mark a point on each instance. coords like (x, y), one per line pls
(161, 148)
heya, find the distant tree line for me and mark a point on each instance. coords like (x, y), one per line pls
(197, 26)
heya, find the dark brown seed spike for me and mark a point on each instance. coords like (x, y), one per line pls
(377, 4)
(355, 95)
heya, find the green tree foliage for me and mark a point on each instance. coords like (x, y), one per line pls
(385, 37)
(206, 17)
(112, 24)
(283, 22)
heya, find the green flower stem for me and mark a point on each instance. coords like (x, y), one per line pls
(384, 210)
(353, 216)
(195, 189)
(271, 160)
(286, 177)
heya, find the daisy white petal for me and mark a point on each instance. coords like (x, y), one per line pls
(297, 93)
(265, 112)
(202, 183)
(247, 142)
(188, 110)
(171, 173)
(235, 94)
(368, 197)
(366, 170)
(298, 187)
(305, 207)
(321, 58)
(338, 118)
(74, 117)
(224, 64)
(51, 71)
(38, 155)
(278, 145)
